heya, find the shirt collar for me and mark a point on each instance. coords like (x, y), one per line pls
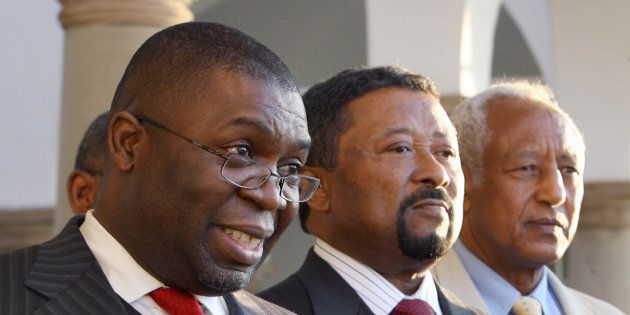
(498, 294)
(378, 293)
(543, 293)
(130, 281)
(126, 277)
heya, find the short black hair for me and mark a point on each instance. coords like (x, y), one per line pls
(92, 148)
(327, 101)
(175, 58)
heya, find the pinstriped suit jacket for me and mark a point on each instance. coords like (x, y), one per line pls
(62, 276)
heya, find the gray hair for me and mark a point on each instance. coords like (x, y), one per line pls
(469, 117)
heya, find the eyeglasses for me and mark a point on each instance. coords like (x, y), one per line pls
(247, 173)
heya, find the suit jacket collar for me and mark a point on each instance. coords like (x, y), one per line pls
(451, 304)
(450, 272)
(233, 307)
(570, 303)
(66, 272)
(329, 292)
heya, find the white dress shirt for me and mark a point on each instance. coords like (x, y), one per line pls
(378, 293)
(127, 278)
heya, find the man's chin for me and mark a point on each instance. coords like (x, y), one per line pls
(427, 248)
(224, 281)
(543, 255)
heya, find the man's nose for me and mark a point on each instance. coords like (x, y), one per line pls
(267, 196)
(431, 172)
(551, 190)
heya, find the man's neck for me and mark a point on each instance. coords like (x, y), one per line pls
(523, 279)
(404, 273)
(408, 283)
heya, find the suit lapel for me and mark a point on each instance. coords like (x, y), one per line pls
(570, 303)
(66, 272)
(329, 292)
(451, 304)
(451, 274)
(233, 307)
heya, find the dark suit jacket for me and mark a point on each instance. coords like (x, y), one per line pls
(62, 276)
(318, 289)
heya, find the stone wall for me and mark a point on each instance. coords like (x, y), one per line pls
(24, 227)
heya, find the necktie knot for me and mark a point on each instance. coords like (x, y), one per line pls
(412, 307)
(526, 305)
(176, 302)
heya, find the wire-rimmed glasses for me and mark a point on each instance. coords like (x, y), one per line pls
(247, 173)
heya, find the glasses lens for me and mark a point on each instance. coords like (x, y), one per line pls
(299, 188)
(291, 188)
(245, 172)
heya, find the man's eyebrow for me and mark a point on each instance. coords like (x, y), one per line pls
(523, 154)
(396, 130)
(569, 157)
(405, 130)
(439, 134)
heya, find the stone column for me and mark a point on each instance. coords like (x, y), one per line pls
(598, 259)
(100, 38)
(450, 41)
(592, 76)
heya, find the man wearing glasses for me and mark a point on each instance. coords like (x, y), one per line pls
(391, 198)
(207, 138)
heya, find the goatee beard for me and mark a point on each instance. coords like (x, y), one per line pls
(431, 247)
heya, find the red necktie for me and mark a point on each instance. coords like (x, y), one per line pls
(412, 307)
(176, 302)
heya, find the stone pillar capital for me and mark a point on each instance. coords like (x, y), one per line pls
(158, 13)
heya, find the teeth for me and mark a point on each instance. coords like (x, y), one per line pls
(244, 239)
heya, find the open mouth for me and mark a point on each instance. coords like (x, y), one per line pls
(245, 240)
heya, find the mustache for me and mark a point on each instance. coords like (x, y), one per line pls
(428, 193)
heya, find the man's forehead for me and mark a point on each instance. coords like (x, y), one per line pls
(269, 127)
(290, 111)
(565, 142)
(226, 95)
(278, 96)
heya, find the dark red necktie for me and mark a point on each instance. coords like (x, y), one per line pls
(412, 307)
(176, 302)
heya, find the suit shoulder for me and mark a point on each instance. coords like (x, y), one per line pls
(596, 305)
(17, 262)
(15, 296)
(290, 294)
(288, 285)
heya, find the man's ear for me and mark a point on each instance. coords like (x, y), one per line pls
(468, 186)
(319, 201)
(123, 136)
(82, 188)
